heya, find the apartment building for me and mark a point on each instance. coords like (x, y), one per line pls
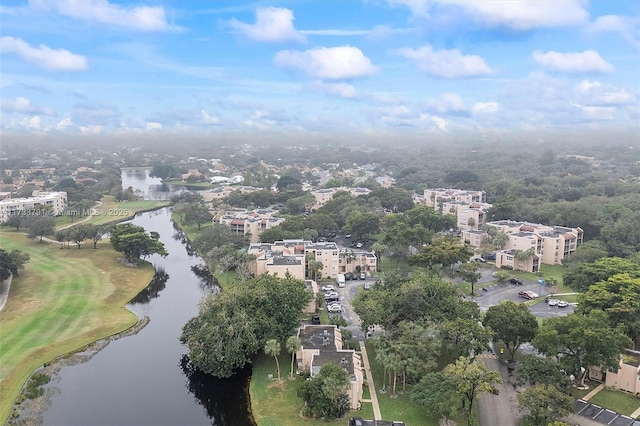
(57, 201)
(322, 344)
(224, 191)
(292, 256)
(626, 377)
(248, 222)
(469, 207)
(322, 196)
(436, 196)
(550, 244)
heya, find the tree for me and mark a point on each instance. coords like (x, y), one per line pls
(523, 256)
(378, 249)
(464, 337)
(470, 380)
(436, 392)
(325, 394)
(443, 250)
(536, 370)
(272, 347)
(544, 403)
(588, 274)
(619, 298)
(500, 240)
(134, 242)
(162, 171)
(12, 262)
(293, 345)
(587, 252)
(196, 214)
(582, 341)
(469, 272)
(512, 323)
(362, 224)
(15, 220)
(234, 325)
(40, 226)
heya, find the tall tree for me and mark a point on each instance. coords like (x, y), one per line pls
(544, 404)
(588, 274)
(472, 379)
(469, 273)
(512, 323)
(197, 214)
(437, 393)
(464, 337)
(272, 348)
(325, 394)
(12, 262)
(537, 370)
(293, 345)
(443, 250)
(134, 242)
(40, 226)
(582, 341)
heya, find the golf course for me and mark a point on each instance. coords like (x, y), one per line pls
(63, 300)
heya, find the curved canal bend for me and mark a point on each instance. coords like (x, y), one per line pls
(142, 379)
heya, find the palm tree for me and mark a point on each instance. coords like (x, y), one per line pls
(378, 249)
(272, 347)
(293, 345)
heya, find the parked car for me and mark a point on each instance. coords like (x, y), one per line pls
(363, 276)
(356, 421)
(328, 287)
(315, 320)
(367, 285)
(334, 308)
(348, 236)
(491, 256)
(527, 294)
(330, 293)
(563, 304)
(553, 302)
(359, 245)
(515, 281)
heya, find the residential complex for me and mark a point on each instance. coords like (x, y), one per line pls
(292, 256)
(322, 196)
(224, 191)
(469, 207)
(322, 344)
(626, 377)
(549, 244)
(57, 201)
(248, 222)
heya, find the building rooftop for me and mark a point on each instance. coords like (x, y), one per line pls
(287, 260)
(318, 337)
(342, 359)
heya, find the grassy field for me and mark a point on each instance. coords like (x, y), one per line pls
(276, 404)
(111, 211)
(617, 401)
(63, 300)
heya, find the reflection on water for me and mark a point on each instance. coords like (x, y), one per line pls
(215, 396)
(157, 284)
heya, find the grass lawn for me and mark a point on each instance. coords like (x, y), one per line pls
(277, 404)
(63, 300)
(111, 211)
(188, 185)
(618, 401)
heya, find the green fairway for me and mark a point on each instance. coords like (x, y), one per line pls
(63, 300)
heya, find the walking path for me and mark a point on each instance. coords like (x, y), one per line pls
(593, 392)
(5, 287)
(372, 386)
(636, 413)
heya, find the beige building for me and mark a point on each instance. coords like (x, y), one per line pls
(224, 191)
(550, 244)
(469, 207)
(436, 197)
(322, 344)
(57, 201)
(626, 377)
(292, 255)
(248, 222)
(322, 196)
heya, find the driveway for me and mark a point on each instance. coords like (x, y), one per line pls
(347, 294)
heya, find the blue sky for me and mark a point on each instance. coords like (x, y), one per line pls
(144, 67)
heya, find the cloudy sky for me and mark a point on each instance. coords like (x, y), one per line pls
(114, 67)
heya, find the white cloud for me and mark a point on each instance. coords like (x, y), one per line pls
(485, 107)
(594, 93)
(343, 90)
(63, 124)
(142, 18)
(208, 118)
(330, 63)
(273, 24)
(624, 26)
(336, 32)
(447, 103)
(43, 56)
(23, 106)
(446, 63)
(588, 61)
(521, 15)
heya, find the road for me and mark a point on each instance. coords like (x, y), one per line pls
(499, 409)
(347, 294)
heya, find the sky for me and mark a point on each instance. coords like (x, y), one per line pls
(107, 67)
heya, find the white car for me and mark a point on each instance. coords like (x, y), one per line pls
(334, 308)
(553, 302)
(359, 245)
(328, 287)
(331, 294)
(563, 304)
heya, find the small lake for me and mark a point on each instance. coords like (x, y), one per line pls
(143, 379)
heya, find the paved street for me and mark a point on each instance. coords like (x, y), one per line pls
(347, 294)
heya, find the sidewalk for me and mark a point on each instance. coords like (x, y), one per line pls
(372, 387)
(593, 392)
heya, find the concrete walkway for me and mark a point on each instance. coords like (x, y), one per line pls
(5, 287)
(372, 387)
(636, 414)
(593, 392)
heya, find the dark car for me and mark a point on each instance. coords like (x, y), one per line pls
(315, 320)
(491, 256)
(515, 281)
(356, 421)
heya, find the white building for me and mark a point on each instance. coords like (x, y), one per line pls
(57, 201)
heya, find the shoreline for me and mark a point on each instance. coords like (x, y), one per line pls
(31, 411)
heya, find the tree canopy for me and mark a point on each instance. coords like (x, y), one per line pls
(325, 394)
(512, 323)
(233, 326)
(12, 262)
(134, 242)
(587, 274)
